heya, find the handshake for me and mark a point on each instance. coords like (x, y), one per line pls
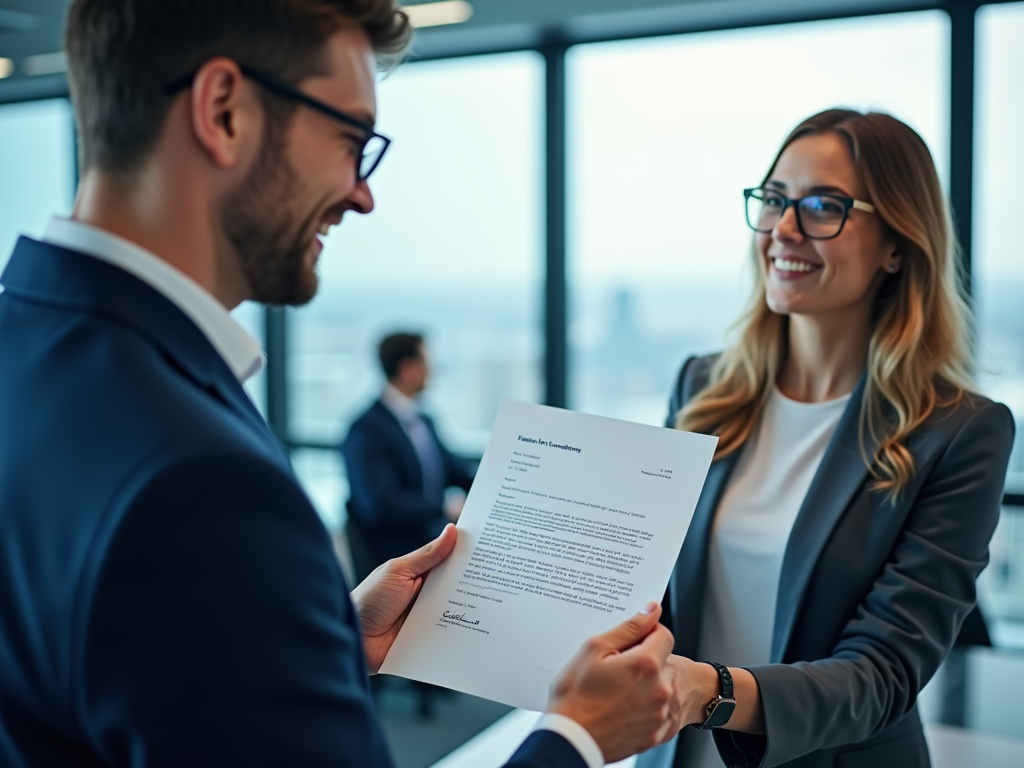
(624, 686)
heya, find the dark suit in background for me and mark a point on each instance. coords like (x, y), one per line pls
(168, 595)
(871, 594)
(396, 507)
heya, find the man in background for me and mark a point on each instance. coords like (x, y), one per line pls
(398, 468)
(168, 594)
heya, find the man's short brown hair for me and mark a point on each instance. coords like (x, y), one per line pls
(122, 54)
(398, 347)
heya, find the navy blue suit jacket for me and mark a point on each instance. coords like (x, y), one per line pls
(386, 482)
(168, 595)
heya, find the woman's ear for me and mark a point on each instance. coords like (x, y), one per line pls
(892, 260)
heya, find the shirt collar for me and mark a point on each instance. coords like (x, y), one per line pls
(404, 408)
(239, 349)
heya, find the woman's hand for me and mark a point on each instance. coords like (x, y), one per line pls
(696, 684)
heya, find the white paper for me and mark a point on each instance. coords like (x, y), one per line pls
(573, 524)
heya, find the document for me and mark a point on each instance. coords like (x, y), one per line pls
(572, 525)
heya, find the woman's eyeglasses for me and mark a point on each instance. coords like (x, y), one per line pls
(819, 217)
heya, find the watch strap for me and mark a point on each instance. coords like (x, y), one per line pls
(719, 710)
(724, 679)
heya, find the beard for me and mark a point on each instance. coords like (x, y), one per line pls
(258, 221)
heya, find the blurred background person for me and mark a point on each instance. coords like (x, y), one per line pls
(833, 553)
(398, 468)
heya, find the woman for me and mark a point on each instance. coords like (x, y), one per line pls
(833, 554)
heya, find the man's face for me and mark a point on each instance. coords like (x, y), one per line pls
(304, 179)
(421, 371)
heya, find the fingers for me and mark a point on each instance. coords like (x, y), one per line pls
(429, 555)
(632, 631)
(659, 643)
(622, 687)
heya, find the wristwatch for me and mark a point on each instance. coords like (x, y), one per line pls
(720, 708)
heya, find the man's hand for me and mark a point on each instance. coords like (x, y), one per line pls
(383, 600)
(621, 688)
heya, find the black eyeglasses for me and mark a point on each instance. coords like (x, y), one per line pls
(819, 217)
(374, 145)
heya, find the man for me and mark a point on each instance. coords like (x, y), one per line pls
(398, 469)
(168, 596)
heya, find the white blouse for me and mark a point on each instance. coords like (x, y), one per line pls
(751, 529)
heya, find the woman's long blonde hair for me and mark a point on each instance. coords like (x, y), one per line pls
(919, 353)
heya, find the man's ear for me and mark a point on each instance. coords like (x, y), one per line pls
(226, 114)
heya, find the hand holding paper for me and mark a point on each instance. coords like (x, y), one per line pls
(620, 687)
(382, 601)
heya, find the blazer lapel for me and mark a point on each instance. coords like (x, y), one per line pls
(231, 391)
(401, 438)
(841, 473)
(686, 587)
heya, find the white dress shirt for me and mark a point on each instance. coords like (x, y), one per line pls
(244, 357)
(240, 351)
(751, 530)
(402, 407)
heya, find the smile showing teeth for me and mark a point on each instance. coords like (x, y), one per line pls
(324, 228)
(784, 265)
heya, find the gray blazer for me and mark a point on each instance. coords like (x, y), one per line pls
(871, 594)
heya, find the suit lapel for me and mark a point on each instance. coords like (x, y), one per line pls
(841, 473)
(231, 391)
(401, 438)
(686, 587)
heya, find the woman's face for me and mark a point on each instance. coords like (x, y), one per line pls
(823, 277)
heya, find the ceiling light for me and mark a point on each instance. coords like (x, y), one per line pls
(6, 68)
(436, 14)
(45, 64)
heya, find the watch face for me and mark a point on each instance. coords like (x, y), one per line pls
(720, 713)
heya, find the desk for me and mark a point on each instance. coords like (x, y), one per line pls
(950, 747)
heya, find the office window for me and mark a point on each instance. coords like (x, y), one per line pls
(454, 249)
(37, 168)
(998, 255)
(663, 136)
(998, 271)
